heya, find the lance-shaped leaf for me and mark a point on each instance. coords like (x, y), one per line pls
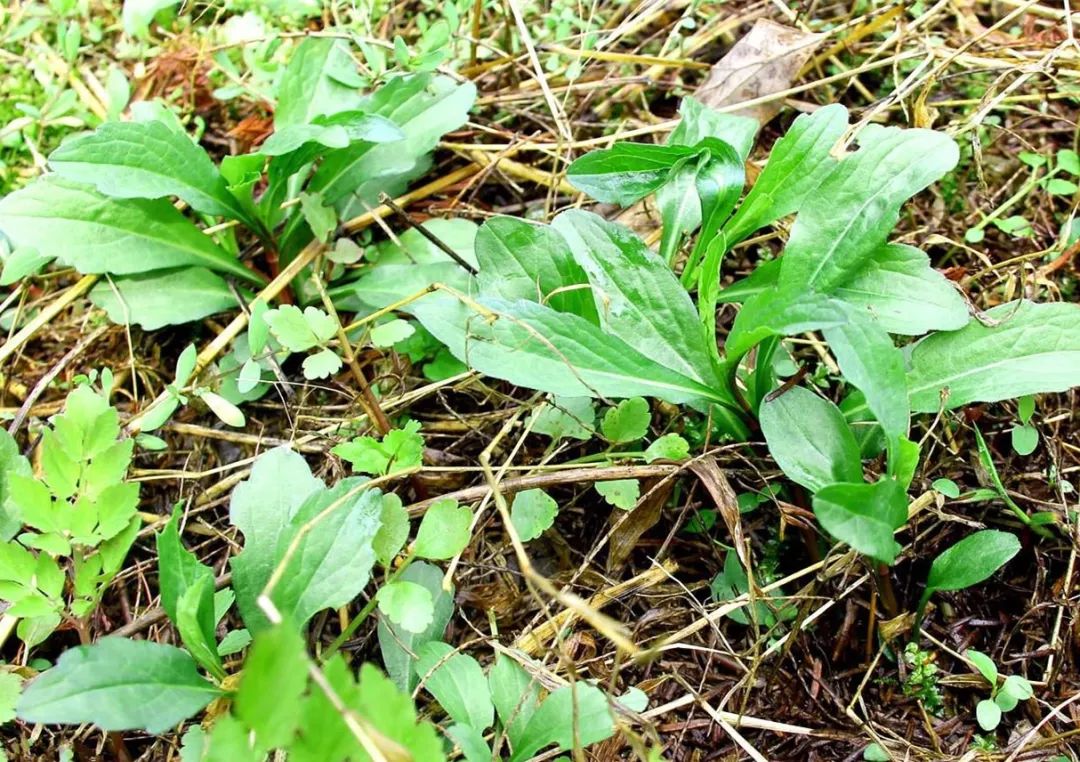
(637, 296)
(1030, 349)
(626, 172)
(319, 79)
(534, 346)
(780, 312)
(525, 260)
(898, 288)
(851, 213)
(797, 165)
(118, 684)
(810, 440)
(193, 293)
(145, 160)
(97, 234)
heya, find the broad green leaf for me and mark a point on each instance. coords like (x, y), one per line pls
(145, 160)
(333, 559)
(984, 664)
(407, 604)
(626, 422)
(274, 678)
(231, 741)
(526, 260)
(97, 234)
(972, 560)
(637, 296)
(22, 263)
(444, 531)
(988, 714)
(458, 683)
(1031, 349)
(324, 734)
(315, 82)
(680, 208)
(621, 493)
(532, 513)
(397, 645)
(851, 213)
(471, 742)
(810, 440)
(698, 121)
(12, 463)
(573, 716)
(261, 508)
(515, 694)
(393, 715)
(626, 172)
(118, 684)
(781, 312)
(899, 288)
(167, 297)
(874, 365)
(565, 417)
(555, 352)
(798, 163)
(864, 516)
(667, 447)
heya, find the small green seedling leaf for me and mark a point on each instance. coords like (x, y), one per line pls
(1025, 439)
(532, 513)
(393, 529)
(322, 364)
(300, 331)
(947, 487)
(876, 753)
(988, 714)
(226, 412)
(565, 417)
(984, 664)
(399, 646)
(390, 333)
(444, 531)
(621, 493)
(400, 450)
(1017, 687)
(408, 605)
(667, 447)
(626, 422)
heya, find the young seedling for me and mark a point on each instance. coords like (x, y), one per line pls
(1003, 698)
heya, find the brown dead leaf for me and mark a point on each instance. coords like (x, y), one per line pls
(630, 526)
(251, 131)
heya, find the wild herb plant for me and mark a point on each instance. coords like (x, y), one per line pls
(583, 308)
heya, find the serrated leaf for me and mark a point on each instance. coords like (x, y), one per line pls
(972, 560)
(399, 450)
(165, 297)
(1033, 348)
(626, 422)
(118, 684)
(407, 604)
(458, 683)
(96, 234)
(299, 330)
(532, 513)
(145, 160)
(444, 531)
(864, 516)
(810, 440)
(621, 493)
